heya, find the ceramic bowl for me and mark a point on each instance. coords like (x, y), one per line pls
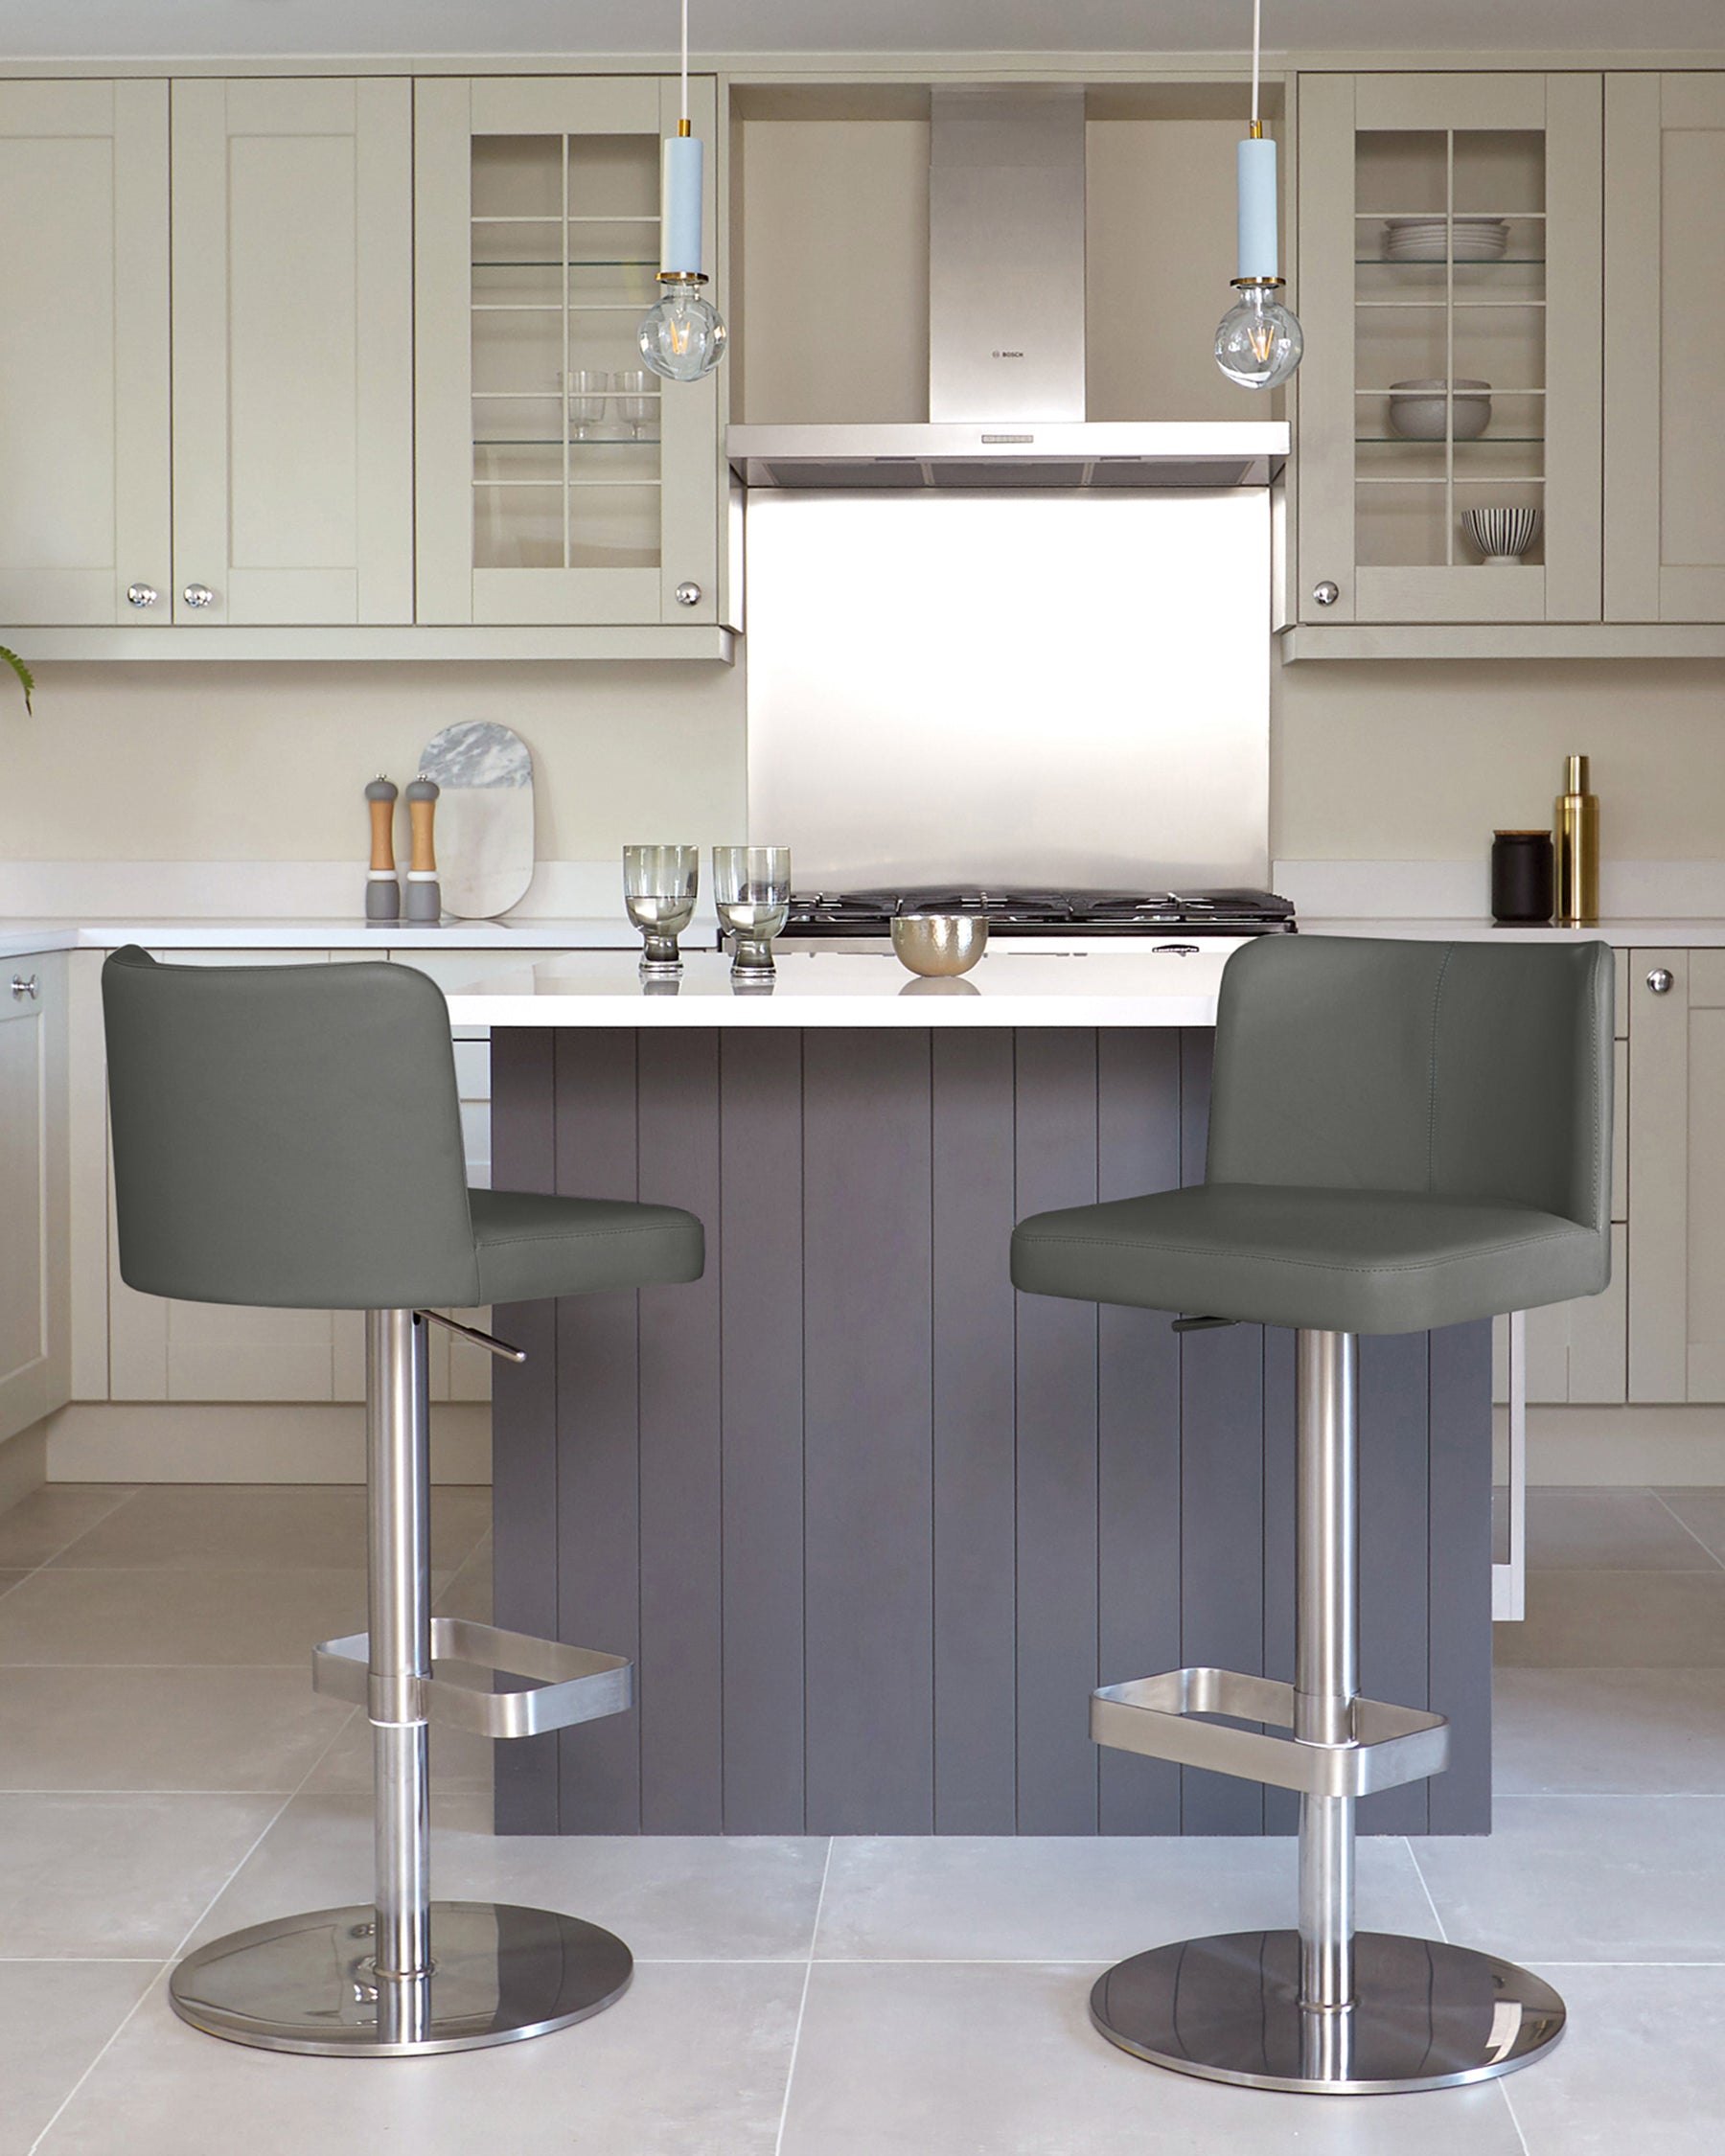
(1417, 409)
(1502, 535)
(939, 944)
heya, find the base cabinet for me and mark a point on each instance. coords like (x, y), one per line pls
(35, 1277)
(1677, 1147)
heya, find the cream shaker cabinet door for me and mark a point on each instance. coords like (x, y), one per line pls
(84, 479)
(1498, 296)
(1677, 1176)
(34, 1193)
(1665, 268)
(558, 480)
(292, 351)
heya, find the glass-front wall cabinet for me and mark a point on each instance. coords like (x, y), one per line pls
(1450, 402)
(558, 480)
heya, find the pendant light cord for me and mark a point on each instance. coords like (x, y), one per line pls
(685, 70)
(1257, 18)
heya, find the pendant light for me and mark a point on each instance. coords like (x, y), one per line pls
(1259, 342)
(683, 336)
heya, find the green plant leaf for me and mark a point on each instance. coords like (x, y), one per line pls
(27, 679)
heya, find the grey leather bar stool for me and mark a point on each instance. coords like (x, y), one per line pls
(290, 1136)
(1402, 1135)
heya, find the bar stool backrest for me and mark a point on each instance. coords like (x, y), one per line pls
(287, 1135)
(1464, 1069)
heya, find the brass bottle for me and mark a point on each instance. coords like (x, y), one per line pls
(1577, 836)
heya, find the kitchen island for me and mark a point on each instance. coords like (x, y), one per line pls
(871, 1524)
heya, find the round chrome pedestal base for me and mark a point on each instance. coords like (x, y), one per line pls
(307, 1983)
(1427, 2016)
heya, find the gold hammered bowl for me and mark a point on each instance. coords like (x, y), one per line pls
(937, 943)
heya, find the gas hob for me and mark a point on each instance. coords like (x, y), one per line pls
(843, 916)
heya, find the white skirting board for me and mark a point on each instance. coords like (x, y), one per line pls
(146, 1441)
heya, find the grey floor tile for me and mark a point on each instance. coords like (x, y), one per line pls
(117, 1876)
(980, 2060)
(1586, 1879)
(10, 1580)
(60, 1616)
(1608, 1731)
(55, 2017)
(195, 1526)
(691, 2061)
(673, 1898)
(1605, 1531)
(459, 1761)
(1614, 1620)
(1071, 1900)
(163, 1729)
(41, 1526)
(1702, 1512)
(1638, 2068)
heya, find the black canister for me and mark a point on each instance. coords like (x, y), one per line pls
(1522, 878)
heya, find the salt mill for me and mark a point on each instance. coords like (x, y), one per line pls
(382, 892)
(424, 897)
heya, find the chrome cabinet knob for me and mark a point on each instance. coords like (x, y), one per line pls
(1659, 980)
(141, 594)
(198, 595)
(1327, 593)
(688, 595)
(23, 985)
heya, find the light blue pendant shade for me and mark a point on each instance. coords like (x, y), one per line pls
(682, 337)
(1255, 169)
(680, 230)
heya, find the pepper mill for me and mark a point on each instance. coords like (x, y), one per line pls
(424, 898)
(1578, 834)
(382, 892)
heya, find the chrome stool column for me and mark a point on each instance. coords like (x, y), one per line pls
(1323, 2008)
(1402, 1136)
(290, 1136)
(405, 1974)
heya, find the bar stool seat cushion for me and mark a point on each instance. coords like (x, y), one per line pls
(530, 1246)
(1354, 1261)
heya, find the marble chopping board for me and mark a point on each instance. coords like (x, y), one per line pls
(484, 830)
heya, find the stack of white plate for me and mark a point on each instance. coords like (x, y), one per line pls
(1427, 239)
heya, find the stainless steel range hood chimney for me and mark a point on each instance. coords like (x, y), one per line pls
(1006, 392)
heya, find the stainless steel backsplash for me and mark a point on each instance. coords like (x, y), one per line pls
(1003, 686)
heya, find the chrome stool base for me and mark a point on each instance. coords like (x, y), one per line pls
(309, 1982)
(1426, 2015)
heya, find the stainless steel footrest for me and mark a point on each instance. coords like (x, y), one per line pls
(1158, 1717)
(566, 1684)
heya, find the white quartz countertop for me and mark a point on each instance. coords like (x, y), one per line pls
(1621, 934)
(18, 938)
(860, 988)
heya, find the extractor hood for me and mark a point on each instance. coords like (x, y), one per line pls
(1006, 398)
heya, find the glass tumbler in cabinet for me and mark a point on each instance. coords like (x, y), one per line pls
(552, 486)
(1450, 403)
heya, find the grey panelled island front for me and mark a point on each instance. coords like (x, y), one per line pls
(873, 1524)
